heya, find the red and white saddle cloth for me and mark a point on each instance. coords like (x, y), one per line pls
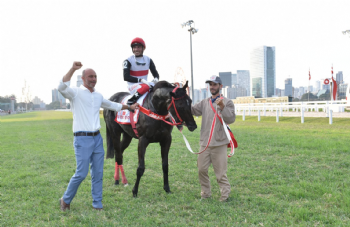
(123, 116)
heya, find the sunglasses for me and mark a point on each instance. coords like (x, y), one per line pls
(139, 63)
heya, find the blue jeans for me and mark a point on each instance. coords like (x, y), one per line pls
(88, 150)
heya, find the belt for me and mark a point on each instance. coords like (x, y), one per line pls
(86, 133)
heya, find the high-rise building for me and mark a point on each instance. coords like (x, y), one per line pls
(204, 93)
(326, 87)
(301, 91)
(296, 93)
(310, 88)
(196, 96)
(54, 95)
(79, 81)
(57, 96)
(226, 78)
(339, 77)
(288, 87)
(282, 92)
(342, 91)
(317, 85)
(234, 79)
(262, 72)
(243, 80)
(278, 92)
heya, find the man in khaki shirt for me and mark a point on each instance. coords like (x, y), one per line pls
(216, 153)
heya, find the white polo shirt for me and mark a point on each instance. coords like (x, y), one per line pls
(85, 106)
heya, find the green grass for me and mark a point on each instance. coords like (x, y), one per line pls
(282, 174)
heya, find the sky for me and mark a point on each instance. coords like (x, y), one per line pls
(40, 39)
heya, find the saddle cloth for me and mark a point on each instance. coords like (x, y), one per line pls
(123, 116)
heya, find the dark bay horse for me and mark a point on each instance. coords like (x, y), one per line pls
(149, 129)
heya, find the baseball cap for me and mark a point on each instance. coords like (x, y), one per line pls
(214, 79)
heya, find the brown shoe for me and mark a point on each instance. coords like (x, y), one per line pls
(64, 205)
(97, 208)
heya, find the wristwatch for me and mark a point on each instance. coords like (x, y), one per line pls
(129, 107)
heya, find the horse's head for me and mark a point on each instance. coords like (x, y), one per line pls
(182, 107)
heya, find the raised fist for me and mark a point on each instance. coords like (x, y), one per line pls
(77, 65)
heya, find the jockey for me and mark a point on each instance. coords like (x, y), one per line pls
(136, 70)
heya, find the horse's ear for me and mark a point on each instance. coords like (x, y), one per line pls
(172, 94)
(186, 85)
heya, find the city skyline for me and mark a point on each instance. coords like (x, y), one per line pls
(41, 45)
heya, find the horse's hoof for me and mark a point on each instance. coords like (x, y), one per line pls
(167, 189)
(169, 192)
(126, 185)
(134, 194)
(116, 182)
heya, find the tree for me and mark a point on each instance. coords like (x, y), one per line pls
(26, 94)
(54, 105)
(308, 96)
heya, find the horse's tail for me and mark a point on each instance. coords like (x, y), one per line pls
(109, 139)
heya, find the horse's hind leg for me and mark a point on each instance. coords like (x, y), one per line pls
(143, 143)
(165, 146)
(119, 158)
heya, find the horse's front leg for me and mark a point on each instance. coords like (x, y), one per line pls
(165, 146)
(143, 143)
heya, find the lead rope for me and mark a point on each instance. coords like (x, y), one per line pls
(211, 135)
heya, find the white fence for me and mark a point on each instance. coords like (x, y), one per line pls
(322, 108)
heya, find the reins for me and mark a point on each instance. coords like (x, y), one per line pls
(155, 116)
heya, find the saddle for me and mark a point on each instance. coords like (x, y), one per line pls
(123, 116)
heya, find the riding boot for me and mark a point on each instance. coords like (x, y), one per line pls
(134, 98)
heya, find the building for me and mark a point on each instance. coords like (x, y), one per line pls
(79, 81)
(317, 85)
(342, 91)
(301, 91)
(243, 80)
(57, 96)
(326, 87)
(203, 94)
(234, 79)
(196, 98)
(339, 77)
(278, 92)
(310, 88)
(288, 87)
(262, 72)
(36, 100)
(282, 92)
(54, 95)
(296, 93)
(226, 78)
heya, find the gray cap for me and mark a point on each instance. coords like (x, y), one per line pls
(214, 79)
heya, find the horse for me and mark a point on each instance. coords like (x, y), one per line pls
(164, 98)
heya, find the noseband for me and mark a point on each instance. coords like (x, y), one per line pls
(173, 104)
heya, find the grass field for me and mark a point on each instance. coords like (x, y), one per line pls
(282, 174)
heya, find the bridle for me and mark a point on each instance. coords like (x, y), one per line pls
(173, 104)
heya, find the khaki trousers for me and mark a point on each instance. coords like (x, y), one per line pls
(218, 157)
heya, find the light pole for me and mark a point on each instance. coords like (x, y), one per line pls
(192, 30)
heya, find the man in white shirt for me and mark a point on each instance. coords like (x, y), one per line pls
(88, 145)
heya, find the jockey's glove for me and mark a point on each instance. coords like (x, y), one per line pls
(155, 80)
(145, 82)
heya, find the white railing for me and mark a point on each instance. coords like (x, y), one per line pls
(327, 107)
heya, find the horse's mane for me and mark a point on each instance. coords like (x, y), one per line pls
(162, 84)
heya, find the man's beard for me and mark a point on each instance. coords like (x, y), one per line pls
(215, 92)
